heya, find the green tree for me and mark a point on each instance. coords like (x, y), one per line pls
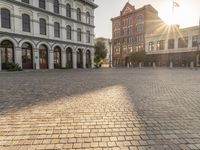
(100, 52)
(137, 57)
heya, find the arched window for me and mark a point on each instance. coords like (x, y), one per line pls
(27, 56)
(25, 1)
(88, 17)
(78, 34)
(78, 14)
(68, 10)
(88, 36)
(43, 29)
(56, 29)
(56, 6)
(26, 23)
(42, 4)
(69, 32)
(43, 55)
(5, 18)
(7, 53)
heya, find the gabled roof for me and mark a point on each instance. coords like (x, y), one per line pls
(127, 8)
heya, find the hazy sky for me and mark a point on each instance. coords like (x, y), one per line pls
(186, 15)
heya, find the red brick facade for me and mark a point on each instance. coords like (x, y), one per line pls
(129, 29)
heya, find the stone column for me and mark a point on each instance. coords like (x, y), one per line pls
(18, 56)
(0, 59)
(51, 60)
(63, 59)
(84, 59)
(92, 59)
(74, 59)
(36, 60)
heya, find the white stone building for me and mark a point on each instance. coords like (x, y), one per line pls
(47, 34)
(173, 47)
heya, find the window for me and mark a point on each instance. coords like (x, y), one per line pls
(88, 17)
(140, 17)
(88, 36)
(56, 29)
(160, 45)
(42, 26)
(42, 4)
(26, 23)
(68, 10)
(151, 46)
(56, 6)
(25, 1)
(183, 42)
(140, 27)
(78, 14)
(69, 32)
(171, 44)
(78, 34)
(195, 41)
(5, 18)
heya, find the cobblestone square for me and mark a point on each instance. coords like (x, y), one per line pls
(111, 109)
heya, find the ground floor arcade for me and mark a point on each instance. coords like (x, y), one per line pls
(31, 54)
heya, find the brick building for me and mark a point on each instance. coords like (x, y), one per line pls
(129, 29)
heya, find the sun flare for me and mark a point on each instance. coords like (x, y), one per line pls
(177, 15)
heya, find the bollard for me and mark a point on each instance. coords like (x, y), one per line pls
(191, 65)
(154, 65)
(171, 65)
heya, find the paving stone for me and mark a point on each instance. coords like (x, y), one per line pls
(100, 109)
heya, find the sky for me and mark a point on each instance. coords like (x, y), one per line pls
(186, 15)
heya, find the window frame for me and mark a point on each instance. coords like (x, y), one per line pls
(57, 29)
(43, 26)
(42, 4)
(26, 24)
(5, 18)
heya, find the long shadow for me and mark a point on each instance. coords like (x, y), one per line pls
(164, 102)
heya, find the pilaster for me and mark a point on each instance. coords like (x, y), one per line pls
(84, 58)
(92, 58)
(74, 53)
(63, 59)
(51, 60)
(0, 59)
(36, 61)
(18, 56)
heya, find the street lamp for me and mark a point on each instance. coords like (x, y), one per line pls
(110, 53)
(198, 46)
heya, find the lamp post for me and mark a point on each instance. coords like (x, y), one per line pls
(110, 54)
(198, 46)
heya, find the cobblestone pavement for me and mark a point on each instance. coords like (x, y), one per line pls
(100, 109)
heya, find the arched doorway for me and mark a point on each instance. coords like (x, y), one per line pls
(7, 53)
(69, 57)
(79, 58)
(43, 50)
(27, 56)
(57, 57)
(88, 59)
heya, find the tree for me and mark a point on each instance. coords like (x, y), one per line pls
(137, 57)
(100, 52)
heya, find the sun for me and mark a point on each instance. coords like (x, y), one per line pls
(177, 15)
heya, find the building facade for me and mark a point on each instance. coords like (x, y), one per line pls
(108, 60)
(173, 47)
(129, 29)
(47, 34)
